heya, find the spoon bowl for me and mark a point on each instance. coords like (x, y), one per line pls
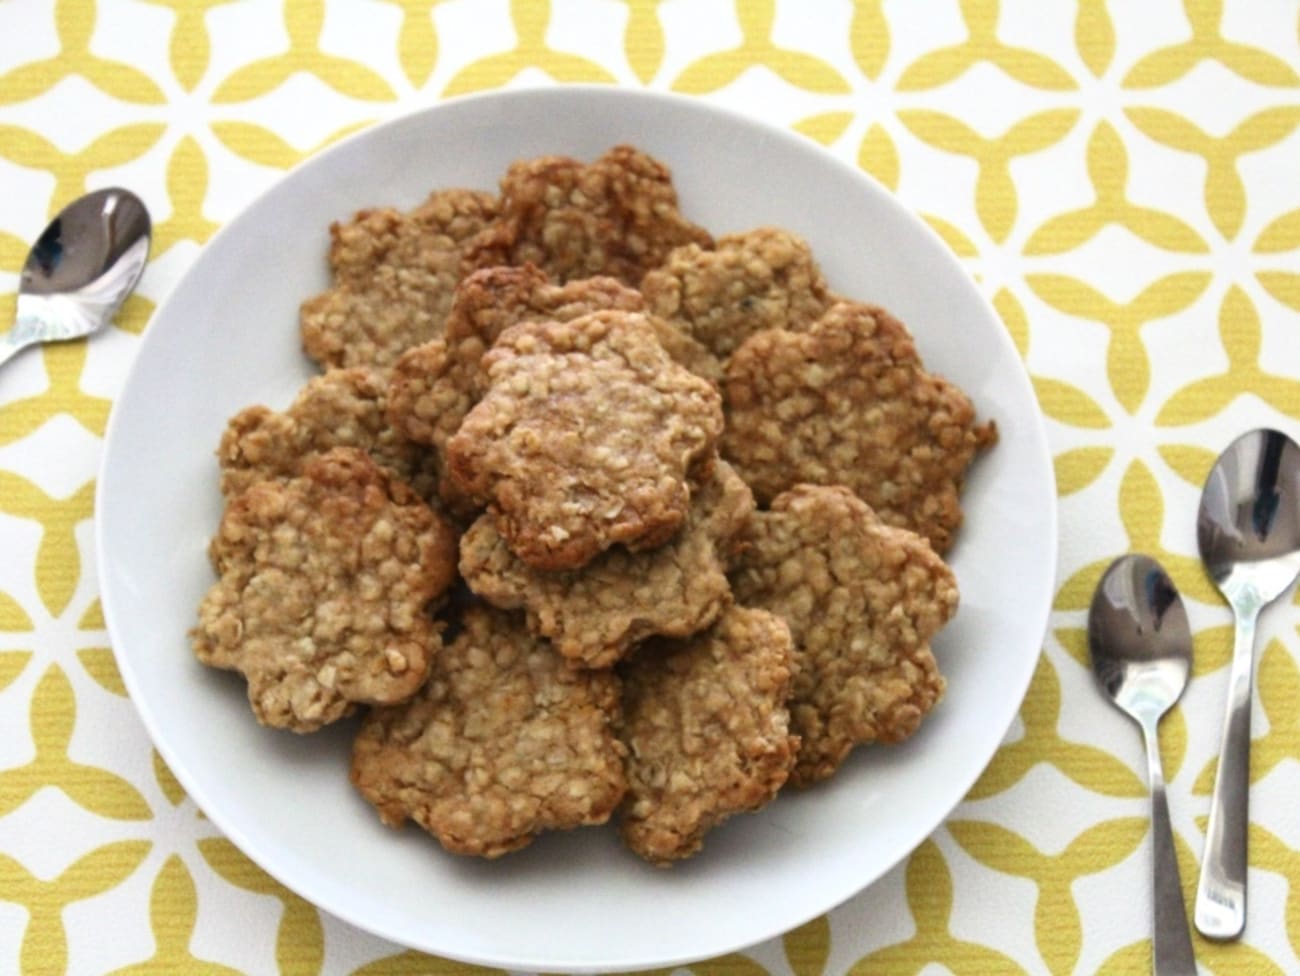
(1141, 650)
(1138, 637)
(80, 269)
(1248, 526)
(1248, 532)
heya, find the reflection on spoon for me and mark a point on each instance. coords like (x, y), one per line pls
(1141, 649)
(80, 269)
(1248, 531)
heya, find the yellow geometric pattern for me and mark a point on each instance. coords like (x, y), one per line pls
(173, 905)
(417, 45)
(299, 944)
(187, 184)
(58, 562)
(1119, 180)
(758, 50)
(930, 900)
(1042, 745)
(1057, 926)
(264, 147)
(531, 20)
(996, 200)
(189, 47)
(1108, 173)
(62, 396)
(1127, 365)
(303, 23)
(75, 31)
(983, 45)
(44, 947)
(1168, 64)
(99, 791)
(29, 149)
(1225, 192)
(1245, 375)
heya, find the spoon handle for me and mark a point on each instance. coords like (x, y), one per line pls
(1221, 892)
(1171, 943)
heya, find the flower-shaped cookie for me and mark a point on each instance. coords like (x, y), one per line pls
(325, 584)
(586, 437)
(848, 402)
(504, 741)
(593, 615)
(720, 296)
(616, 216)
(862, 600)
(707, 731)
(342, 408)
(394, 274)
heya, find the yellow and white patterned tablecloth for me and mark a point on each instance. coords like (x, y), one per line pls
(1123, 180)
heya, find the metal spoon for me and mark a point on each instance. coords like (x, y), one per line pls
(80, 270)
(1141, 650)
(1248, 531)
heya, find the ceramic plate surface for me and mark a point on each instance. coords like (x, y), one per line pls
(227, 337)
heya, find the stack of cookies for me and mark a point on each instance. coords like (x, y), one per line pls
(592, 513)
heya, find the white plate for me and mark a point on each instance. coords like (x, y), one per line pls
(228, 337)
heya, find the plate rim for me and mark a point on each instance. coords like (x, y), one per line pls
(825, 901)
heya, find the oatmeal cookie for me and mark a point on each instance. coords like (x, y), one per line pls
(593, 615)
(428, 395)
(393, 277)
(325, 583)
(862, 599)
(585, 438)
(763, 279)
(492, 300)
(848, 402)
(503, 742)
(435, 384)
(342, 408)
(686, 351)
(707, 731)
(617, 216)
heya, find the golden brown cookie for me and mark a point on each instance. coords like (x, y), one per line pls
(616, 216)
(763, 279)
(436, 384)
(342, 408)
(686, 351)
(325, 584)
(862, 600)
(707, 731)
(393, 278)
(848, 402)
(505, 741)
(585, 438)
(595, 614)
